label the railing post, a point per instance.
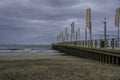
(116, 43)
(100, 43)
(106, 43)
(112, 43)
(96, 43)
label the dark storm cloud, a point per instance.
(39, 21)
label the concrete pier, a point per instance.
(106, 56)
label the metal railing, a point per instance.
(111, 43)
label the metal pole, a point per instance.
(90, 32)
(90, 36)
(105, 29)
(118, 31)
(86, 34)
(105, 39)
(71, 38)
(76, 37)
(67, 37)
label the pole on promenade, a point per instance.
(105, 39)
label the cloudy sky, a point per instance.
(39, 21)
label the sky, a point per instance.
(40, 21)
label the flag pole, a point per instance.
(86, 34)
(118, 31)
(90, 32)
(105, 38)
(76, 36)
(117, 22)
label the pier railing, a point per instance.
(99, 43)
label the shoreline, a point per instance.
(55, 67)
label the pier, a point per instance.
(104, 48)
(110, 56)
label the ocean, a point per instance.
(27, 50)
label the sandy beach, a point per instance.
(55, 67)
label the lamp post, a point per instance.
(105, 28)
(105, 39)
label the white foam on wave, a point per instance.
(20, 50)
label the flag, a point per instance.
(88, 18)
(76, 35)
(56, 38)
(72, 28)
(78, 32)
(66, 33)
(117, 16)
(62, 36)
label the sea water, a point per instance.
(27, 50)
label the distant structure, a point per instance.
(105, 41)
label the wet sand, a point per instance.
(55, 67)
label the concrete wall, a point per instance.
(98, 55)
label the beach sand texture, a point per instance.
(55, 67)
